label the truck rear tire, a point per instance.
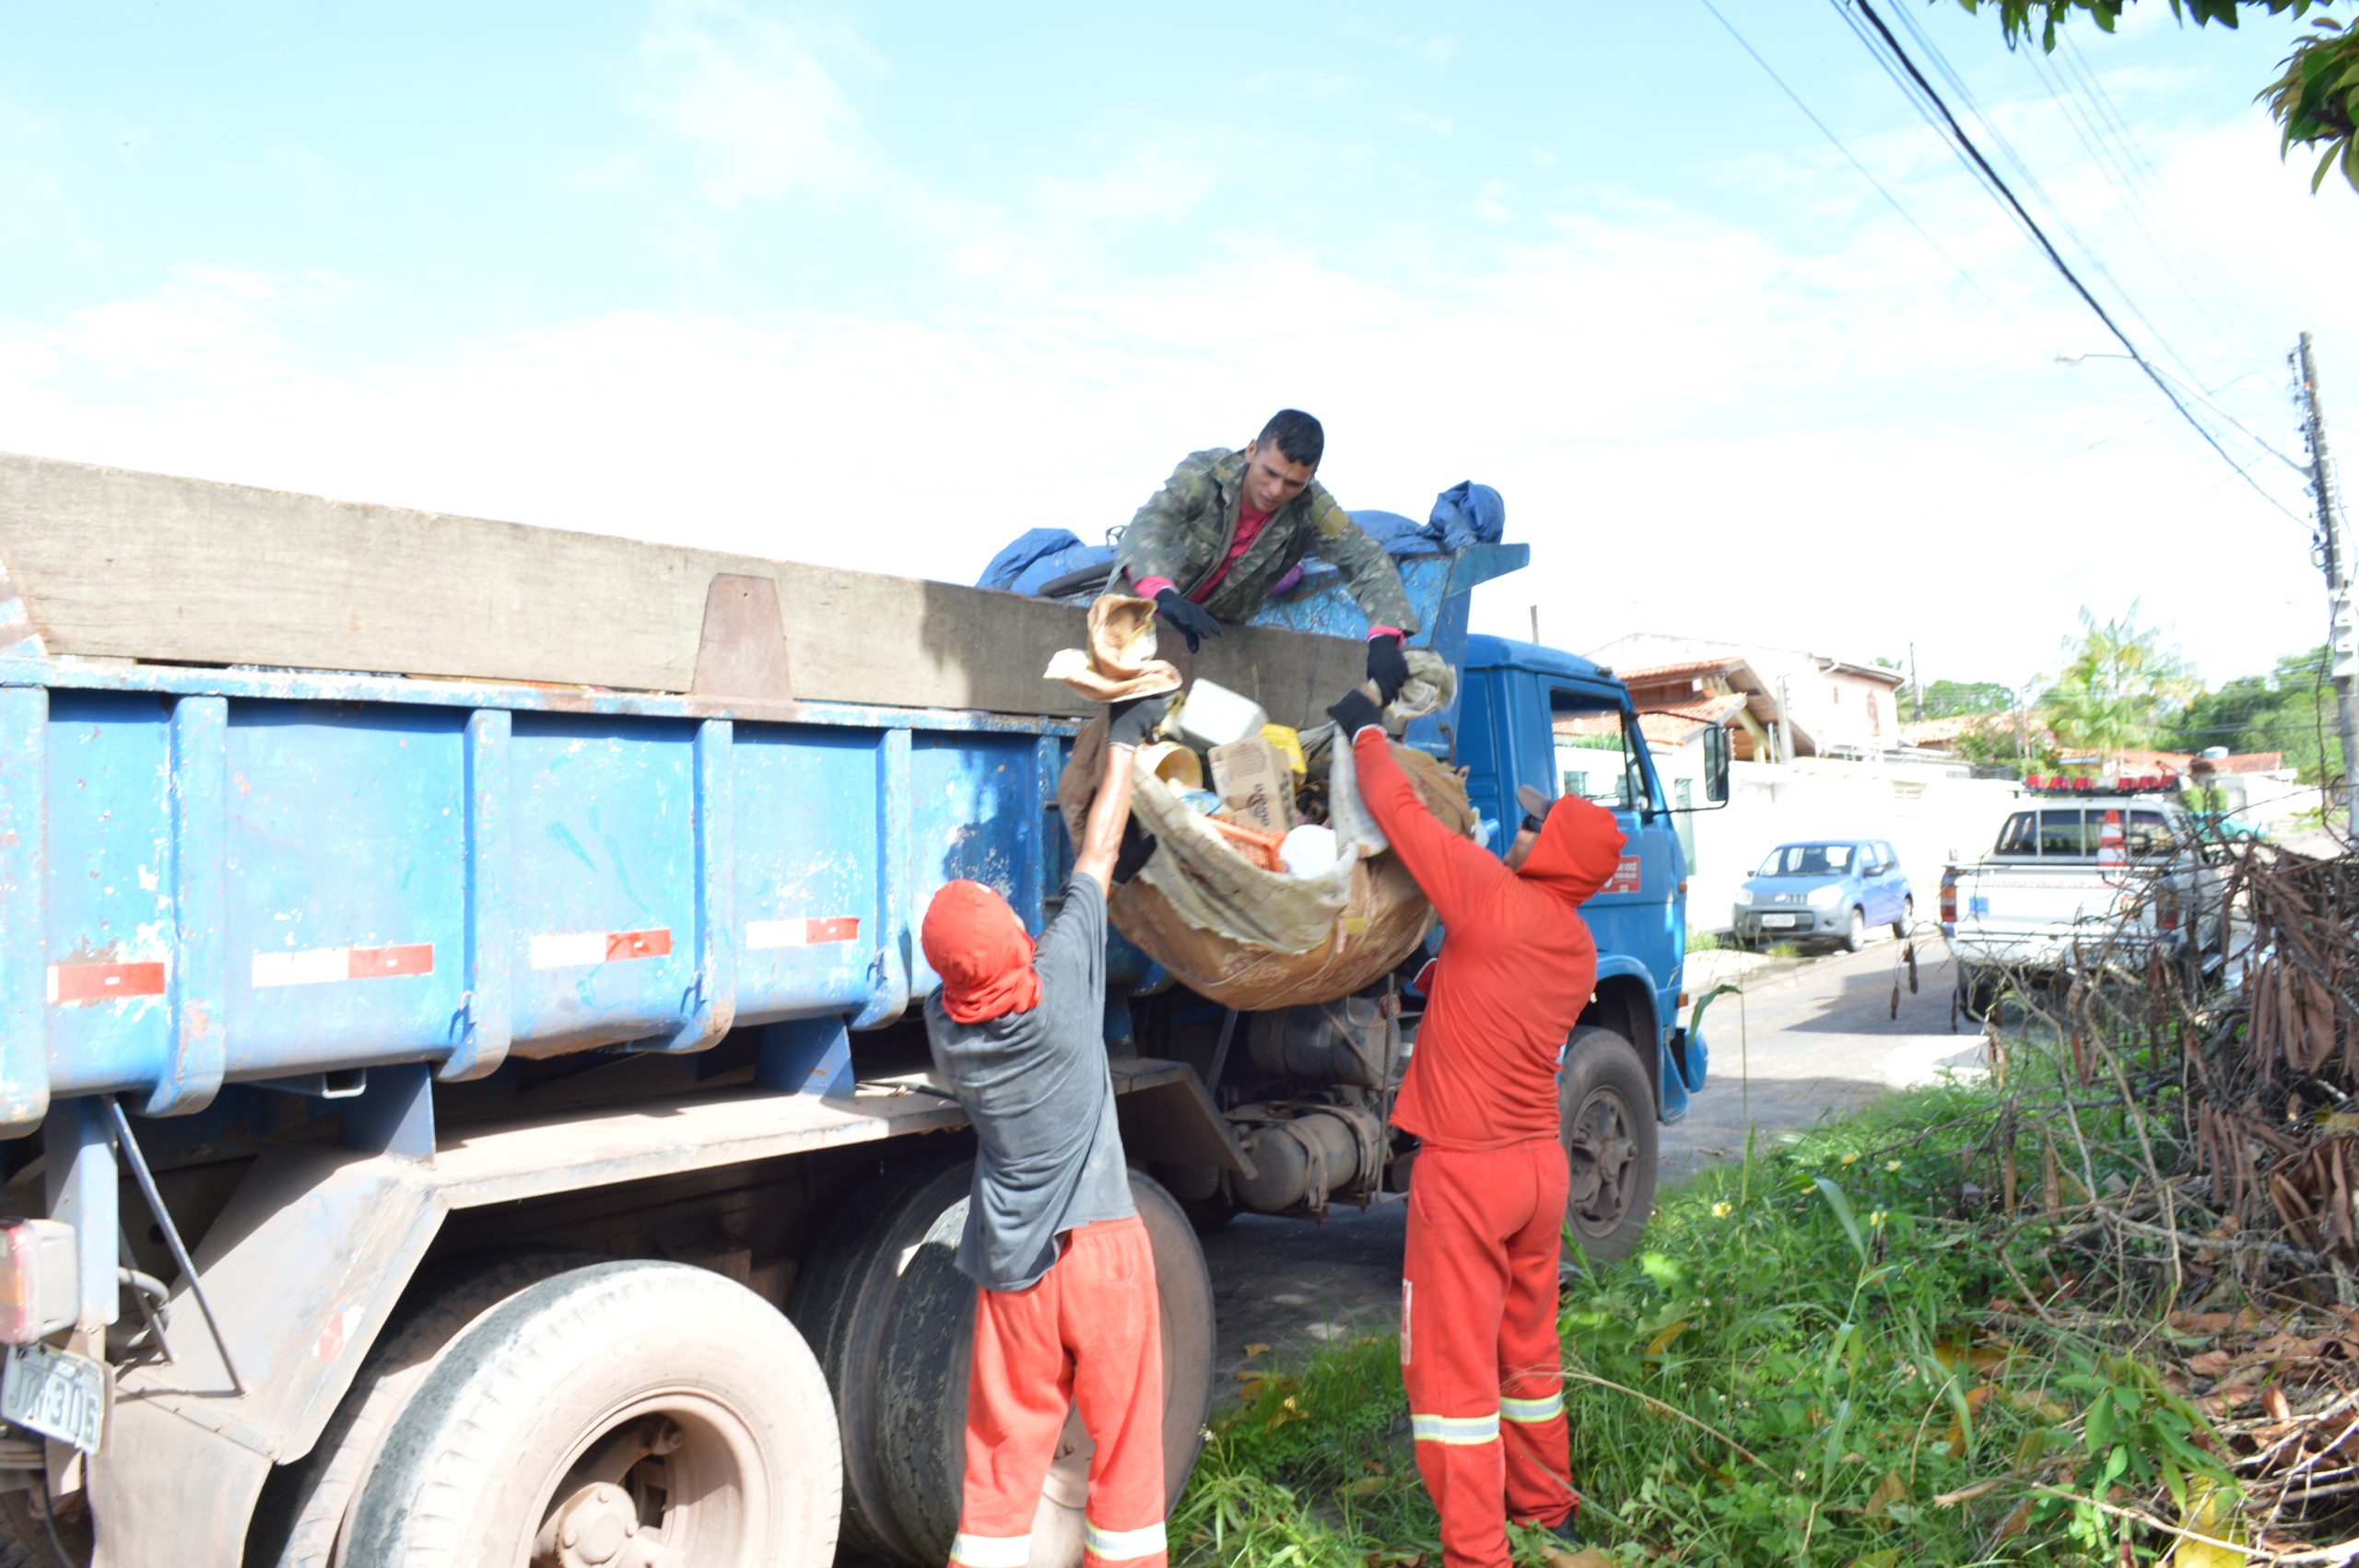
(1606, 1120)
(923, 1382)
(894, 1319)
(611, 1400)
(299, 1519)
(1978, 992)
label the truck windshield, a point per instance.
(1807, 860)
(1597, 754)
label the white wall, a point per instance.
(1929, 815)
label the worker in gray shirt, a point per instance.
(1065, 1304)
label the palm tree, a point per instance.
(2117, 685)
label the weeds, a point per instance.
(1821, 1356)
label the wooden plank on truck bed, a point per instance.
(116, 563)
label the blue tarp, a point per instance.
(1466, 514)
(1040, 556)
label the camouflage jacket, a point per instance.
(1184, 533)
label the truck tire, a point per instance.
(1855, 935)
(298, 1520)
(843, 1302)
(24, 1538)
(1978, 992)
(609, 1400)
(908, 1400)
(1606, 1114)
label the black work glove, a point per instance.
(1131, 719)
(1386, 665)
(1137, 846)
(1353, 713)
(1190, 619)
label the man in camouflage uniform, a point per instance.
(1228, 525)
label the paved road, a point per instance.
(1810, 1036)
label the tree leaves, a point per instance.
(2315, 101)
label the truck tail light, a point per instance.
(39, 1279)
(2165, 913)
(1949, 900)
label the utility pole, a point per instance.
(2342, 639)
(1915, 689)
(1535, 622)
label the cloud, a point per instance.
(1801, 428)
(1424, 120)
(750, 104)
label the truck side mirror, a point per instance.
(1716, 765)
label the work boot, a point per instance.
(1561, 1536)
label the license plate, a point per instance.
(1776, 919)
(55, 1393)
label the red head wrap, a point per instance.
(978, 945)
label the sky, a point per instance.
(882, 287)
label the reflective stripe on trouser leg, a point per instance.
(1454, 1429)
(1527, 1411)
(1120, 1546)
(992, 1552)
(1467, 1210)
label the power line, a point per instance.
(2080, 112)
(2205, 260)
(2048, 246)
(1893, 201)
(1929, 103)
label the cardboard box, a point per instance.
(1254, 783)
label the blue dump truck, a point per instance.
(464, 1098)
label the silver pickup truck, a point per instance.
(2083, 879)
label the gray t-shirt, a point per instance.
(1037, 1088)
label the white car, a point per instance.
(2082, 878)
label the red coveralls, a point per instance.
(1087, 1334)
(1486, 1195)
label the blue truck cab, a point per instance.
(505, 1084)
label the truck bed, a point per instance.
(214, 875)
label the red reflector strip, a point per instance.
(72, 983)
(410, 958)
(639, 944)
(760, 934)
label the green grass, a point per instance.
(1810, 1358)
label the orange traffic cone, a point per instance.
(2109, 852)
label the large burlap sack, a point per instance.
(1252, 939)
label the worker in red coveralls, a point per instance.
(1065, 1307)
(1486, 1194)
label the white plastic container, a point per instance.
(1215, 716)
(1308, 851)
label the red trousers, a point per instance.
(1479, 1349)
(1086, 1334)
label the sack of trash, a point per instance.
(1276, 887)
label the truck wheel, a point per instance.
(653, 1409)
(843, 1302)
(1855, 935)
(300, 1518)
(1606, 1111)
(920, 1388)
(1978, 992)
(1900, 926)
(24, 1538)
